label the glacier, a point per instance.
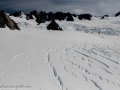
(85, 56)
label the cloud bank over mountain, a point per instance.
(95, 7)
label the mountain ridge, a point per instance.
(68, 21)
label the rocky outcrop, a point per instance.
(17, 14)
(42, 16)
(39, 18)
(28, 17)
(54, 26)
(59, 16)
(104, 16)
(2, 22)
(15, 25)
(85, 16)
(70, 18)
(6, 21)
(118, 14)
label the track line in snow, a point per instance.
(100, 77)
(92, 58)
(96, 85)
(107, 80)
(109, 59)
(106, 70)
(85, 77)
(48, 59)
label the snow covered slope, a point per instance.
(33, 59)
(107, 26)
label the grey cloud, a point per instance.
(96, 7)
(109, 6)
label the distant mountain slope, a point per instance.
(67, 21)
(98, 25)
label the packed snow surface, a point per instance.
(58, 60)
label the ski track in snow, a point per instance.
(66, 52)
(82, 61)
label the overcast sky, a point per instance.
(95, 7)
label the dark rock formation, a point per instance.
(15, 25)
(54, 26)
(50, 16)
(104, 16)
(28, 17)
(17, 14)
(56, 16)
(74, 15)
(39, 18)
(2, 22)
(59, 16)
(43, 15)
(6, 21)
(118, 14)
(85, 16)
(70, 18)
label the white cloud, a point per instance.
(78, 11)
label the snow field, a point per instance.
(55, 60)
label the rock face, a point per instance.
(17, 14)
(85, 16)
(54, 26)
(70, 18)
(2, 22)
(59, 16)
(104, 16)
(39, 18)
(42, 16)
(28, 17)
(6, 21)
(118, 14)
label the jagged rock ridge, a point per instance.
(5, 20)
(42, 16)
